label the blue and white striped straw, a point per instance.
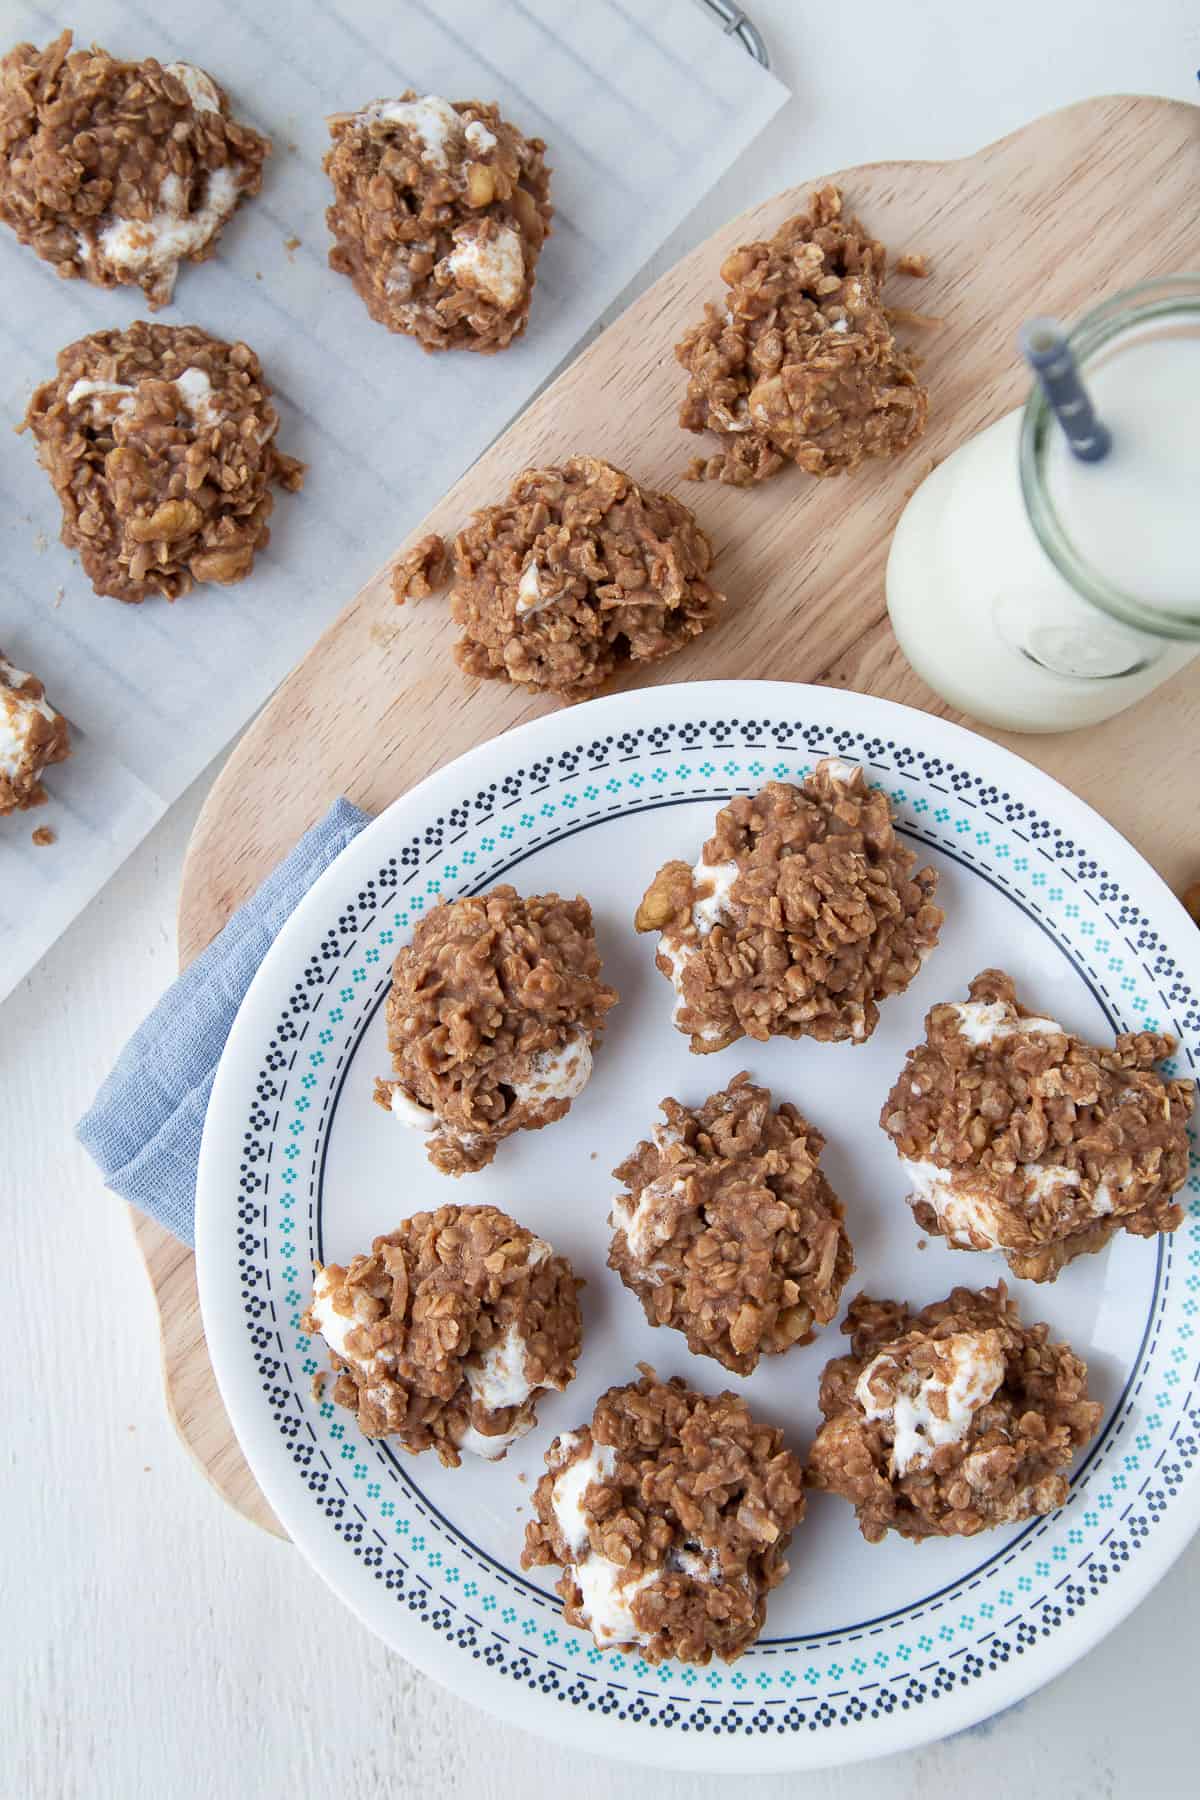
(1045, 348)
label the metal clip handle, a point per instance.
(736, 24)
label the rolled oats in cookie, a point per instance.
(1016, 1135)
(117, 172)
(578, 572)
(728, 1230)
(445, 1335)
(495, 1008)
(801, 914)
(439, 214)
(32, 737)
(670, 1516)
(160, 443)
(801, 363)
(948, 1421)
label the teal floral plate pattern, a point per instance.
(867, 1649)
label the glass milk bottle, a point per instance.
(1040, 593)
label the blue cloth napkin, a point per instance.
(144, 1127)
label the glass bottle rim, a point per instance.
(1164, 297)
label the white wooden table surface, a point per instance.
(152, 1642)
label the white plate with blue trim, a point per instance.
(867, 1649)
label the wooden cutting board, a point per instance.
(1072, 207)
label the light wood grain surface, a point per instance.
(1047, 220)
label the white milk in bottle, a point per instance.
(1040, 593)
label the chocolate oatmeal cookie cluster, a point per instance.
(579, 571)
(1018, 1136)
(117, 172)
(447, 1333)
(439, 214)
(801, 364)
(948, 1421)
(727, 1229)
(32, 737)
(160, 443)
(802, 913)
(494, 1009)
(670, 1516)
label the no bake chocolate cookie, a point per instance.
(801, 364)
(670, 1517)
(439, 214)
(1018, 1136)
(948, 1421)
(801, 915)
(577, 573)
(494, 1011)
(32, 737)
(160, 443)
(445, 1335)
(728, 1230)
(117, 172)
